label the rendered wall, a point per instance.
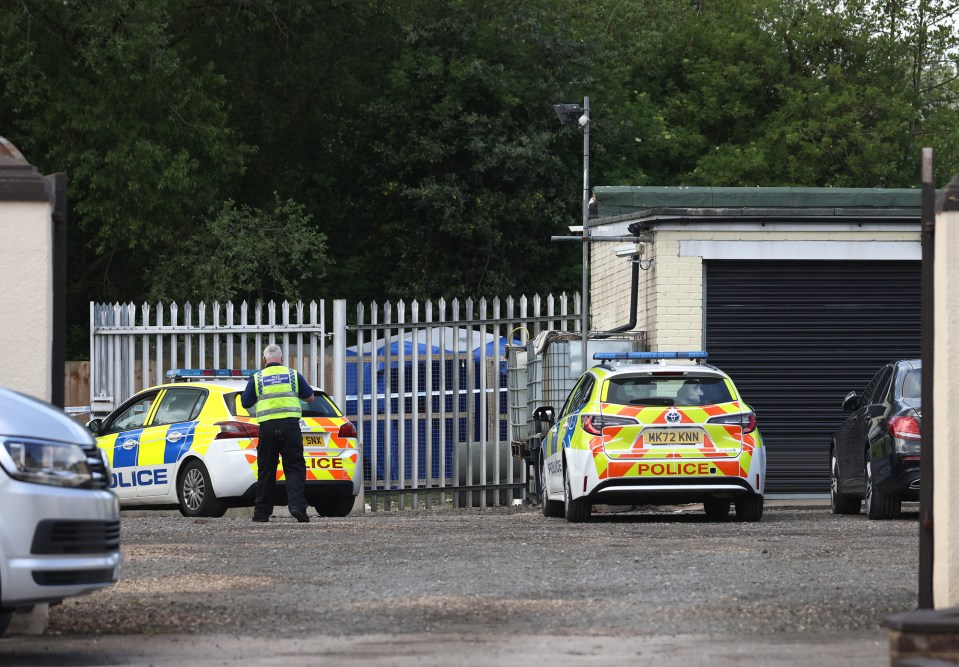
(26, 286)
(26, 297)
(945, 502)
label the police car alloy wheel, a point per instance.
(196, 492)
(577, 510)
(551, 508)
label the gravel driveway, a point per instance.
(505, 572)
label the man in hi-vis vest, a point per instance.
(276, 392)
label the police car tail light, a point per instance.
(594, 424)
(347, 430)
(904, 428)
(745, 419)
(237, 430)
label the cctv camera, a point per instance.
(583, 120)
(631, 250)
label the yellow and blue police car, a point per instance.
(648, 428)
(191, 444)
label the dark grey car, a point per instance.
(874, 455)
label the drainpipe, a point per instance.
(633, 297)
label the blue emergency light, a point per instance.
(649, 356)
(195, 373)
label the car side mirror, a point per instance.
(94, 425)
(543, 418)
(851, 402)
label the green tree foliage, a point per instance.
(800, 93)
(462, 164)
(241, 249)
(408, 148)
(99, 90)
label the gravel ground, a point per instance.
(494, 587)
(504, 571)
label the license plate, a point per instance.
(314, 441)
(673, 436)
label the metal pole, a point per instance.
(585, 295)
(928, 236)
(339, 354)
(59, 221)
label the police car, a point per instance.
(190, 443)
(652, 428)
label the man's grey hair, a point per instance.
(272, 352)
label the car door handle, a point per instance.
(130, 444)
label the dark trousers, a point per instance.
(280, 437)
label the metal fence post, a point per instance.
(339, 352)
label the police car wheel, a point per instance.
(551, 508)
(578, 510)
(195, 492)
(879, 505)
(750, 507)
(840, 503)
(335, 506)
(716, 509)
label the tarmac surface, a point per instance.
(496, 586)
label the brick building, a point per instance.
(799, 293)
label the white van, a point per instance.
(59, 523)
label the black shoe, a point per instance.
(300, 515)
(261, 519)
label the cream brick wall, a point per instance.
(610, 284)
(26, 297)
(670, 298)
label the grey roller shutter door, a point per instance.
(796, 336)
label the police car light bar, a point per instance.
(199, 373)
(649, 356)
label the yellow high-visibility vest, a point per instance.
(277, 394)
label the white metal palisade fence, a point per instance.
(128, 353)
(425, 383)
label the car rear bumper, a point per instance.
(902, 480)
(312, 490)
(673, 490)
(691, 479)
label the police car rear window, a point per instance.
(232, 400)
(667, 390)
(319, 406)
